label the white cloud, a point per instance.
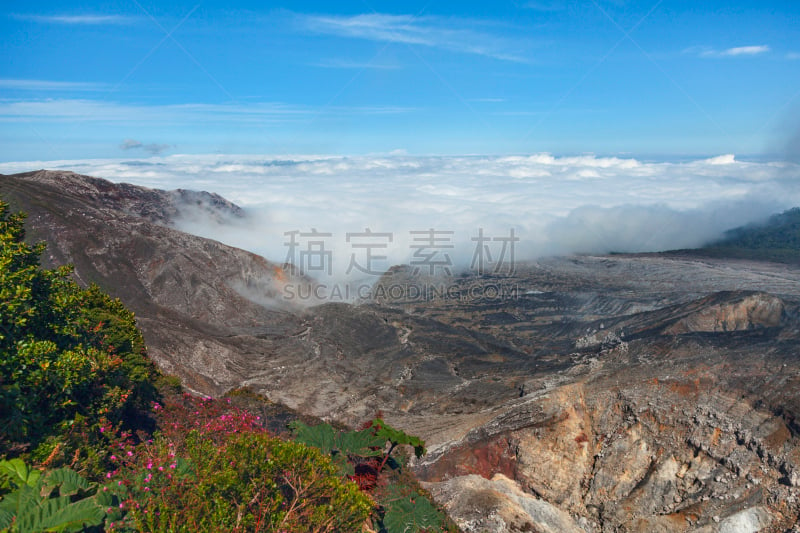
(445, 33)
(746, 50)
(793, 56)
(554, 204)
(50, 85)
(738, 51)
(647, 228)
(727, 159)
(77, 19)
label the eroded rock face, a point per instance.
(748, 312)
(499, 505)
(664, 457)
(622, 465)
(625, 393)
(556, 464)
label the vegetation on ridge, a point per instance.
(94, 438)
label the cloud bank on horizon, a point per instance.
(555, 205)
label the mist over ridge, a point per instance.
(554, 205)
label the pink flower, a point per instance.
(130, 453)
(102, 430)
(108, 475)
(113, 457)
(149, 466)
(172, 466)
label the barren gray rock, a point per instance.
(499, 505)
(622, 393)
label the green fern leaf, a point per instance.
(398, 437)
(6, 518)
(68, 482)
(411, 514)
(329, 441)
(322, 436)
(31, 509)
(72, 517)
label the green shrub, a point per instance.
(77, 388)
(70, 358)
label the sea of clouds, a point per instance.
(555, 205)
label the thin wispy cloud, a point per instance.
(746, 51)
(51, 85)
(737, 51)
(91, 20)
(358, 65)
(545, 6)
(793, 56)
(519, 113)
(96, 111)
(445, 33)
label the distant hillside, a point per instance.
(777, 239)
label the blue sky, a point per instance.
(133, 78)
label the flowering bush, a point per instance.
(214, 468)
(77, 390)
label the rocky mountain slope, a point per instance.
(622, 393)
(189, 293)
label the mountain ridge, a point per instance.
(775, 239)
(609, 393)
